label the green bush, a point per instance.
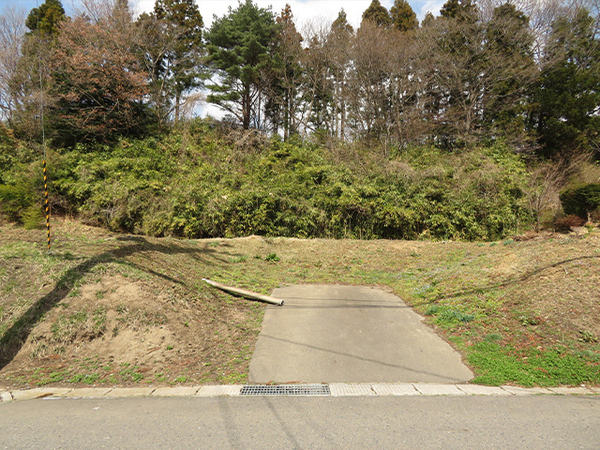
(7, 152)
(32, 217)
(16, 200)
(201, 182)
(582, 200)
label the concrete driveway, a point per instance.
(353, 334)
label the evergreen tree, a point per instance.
(377, 14)
(239, 46)
(568, 96)
(428, 19)
(339, 43)
(456, 74)
(464, 10)
(509, 56)
(403, 16)
(178, 51)
(45, 20)
(340, 25)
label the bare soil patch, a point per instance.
(110, 309)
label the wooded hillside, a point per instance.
(467, 125)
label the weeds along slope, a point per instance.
(116, 309)
(204, 182)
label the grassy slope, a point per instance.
(524, 312)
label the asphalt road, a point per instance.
(536, 422)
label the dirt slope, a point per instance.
(104, 308)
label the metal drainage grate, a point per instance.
(286, 389)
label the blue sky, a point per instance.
(304, 10)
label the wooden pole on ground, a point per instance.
(244, 293)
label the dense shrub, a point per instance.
(21, 198)
(581, 200)
(202, 182)
(567, 223)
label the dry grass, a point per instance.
(108, 308)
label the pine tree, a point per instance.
(377, 14)
(181, 24)
(428, 19)
(239, 46)
(341, 26)
(45, 20)
(568, 96)
(339, 43)
(509, 55)
(464, 10)
(403, 16)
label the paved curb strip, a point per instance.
(219, 391)
(336, 389)
(474, 389)
(88, 393)
(345, 390)
(526, 391)
(438, 389)
(569, 391)
(32, 394)
(176, 392)
(130, 392)
(395, 389)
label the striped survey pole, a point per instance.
(47, 203)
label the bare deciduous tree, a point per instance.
(12, 32)
(98, 84)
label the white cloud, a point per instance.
(432, 6)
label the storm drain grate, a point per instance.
(286, 389)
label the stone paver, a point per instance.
(438, 389)
(88, 393)
(344, 390)
(526, 391)
(219, 391)
(31, 394)
(180, 391)
(395, 389)
(473, 389)
(130, 392)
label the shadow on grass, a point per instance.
(509, 282)
(14, 338)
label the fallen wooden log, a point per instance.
(244, 293)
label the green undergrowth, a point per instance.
(200, 182)
(497, 365)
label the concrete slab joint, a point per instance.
(335, 389)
